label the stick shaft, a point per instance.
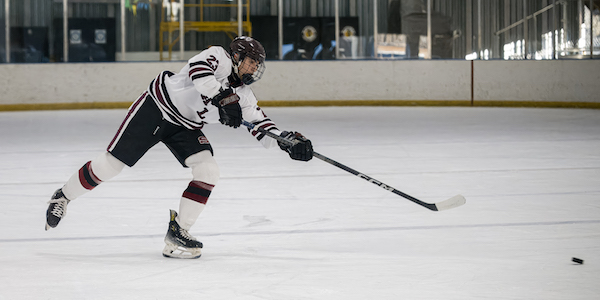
(451, 202)
(373, 181)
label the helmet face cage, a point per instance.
(250, 78)
(242, 47)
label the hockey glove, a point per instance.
(230, 112)
(300, 147)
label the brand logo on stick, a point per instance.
(371, 180)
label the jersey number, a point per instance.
(213, 62)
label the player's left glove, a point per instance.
(300, 148)
(230, 112)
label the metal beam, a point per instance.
(240, 19)
(337, 27)
(517, 23)
(591, 29)
(181, 29)
(469, 27)
(525, 31)
(429, 33)
(280, 28)
(375, 29)
(7, 29)
(479, 28)
(554, 31)
(123, 26)
(65, 31)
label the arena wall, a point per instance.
(558, 83)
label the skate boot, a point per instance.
(179, 242)
(57, 209)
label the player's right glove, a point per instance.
(230, 112)
(300, 147)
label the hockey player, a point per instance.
(212, 87)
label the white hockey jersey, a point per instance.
(185, 98)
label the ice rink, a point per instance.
(281, 229)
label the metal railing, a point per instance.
(168, 25)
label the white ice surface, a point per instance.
(280, 229)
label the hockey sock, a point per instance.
(94, 172)
(192, 203)
(205, 172)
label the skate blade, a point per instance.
(173, 251)
(48, 226)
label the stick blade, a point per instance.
(453, 202)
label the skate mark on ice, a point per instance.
(320, 220)
(257, 220)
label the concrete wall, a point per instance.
(436, 82)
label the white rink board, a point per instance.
(365, 80)
(76, 82)
(557, 81)
(409, 80)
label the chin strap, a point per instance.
(234, 80)
(236, 66)
(247, 79)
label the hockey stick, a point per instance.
(453, 202)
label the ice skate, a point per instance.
(179, 242)
(57, 209)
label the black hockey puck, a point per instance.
(577, 260)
